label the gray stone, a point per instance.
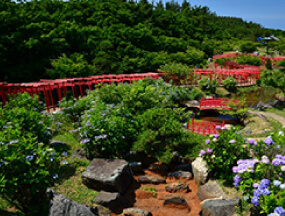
(200, 171)
(113, 201)
(211, 190)
(150, 180)
(61, 206)
(176, 203)
(101, 210)
(219, 207)
(136, 167)
(248, 131)
(184, 167)
(181, 174)
(80, 153)
(177, 187)
(108, 175)
(136, 212)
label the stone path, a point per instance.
(272, 115)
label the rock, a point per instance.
(138, 156)
(136, 212)
(108, 175)
(101, 210)
(80, 153)
(170, 196)
(61, 206)
(136, 167)
(211, 190)
(200, 171)
(177, 187)
(248, 131)
(156, 167)
(176, 203)
(113, 201)
(184, 167)
(219, 207)
(181, 174)
(151, 180)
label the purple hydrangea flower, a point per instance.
(279, 210)
(207, 141)
(232, 141)
(255, 200)
(235, 169)
(266, 191)
(268, 141)
(85, 141)
(237, 180)
(209, 151)
(265, 160)
(256, 193)
(252, 142)
(216, 136)
(202, 152)
(276, 162)
(255, 185)
(218, 127)
(264, 183)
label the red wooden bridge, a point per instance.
(216, 103)
(204, 127)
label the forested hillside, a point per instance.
(57, 39)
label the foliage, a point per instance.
(238, 108)
(161, 133)
(53, 39)
(249, 60)
(248, 47)
(268, 64)
(223, 151)
(230, 84)
(273, 78)
(261, 179)
(220, 61)
(27, 167)
(207, 85)
(281, 63)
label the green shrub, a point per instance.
(208, 86)
(268, 64)
(220, 61)
(222, 151)
(248, 47)
(248, 60)
(230, 84)
(281, 63)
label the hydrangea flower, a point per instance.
(232, 141)
(264, 159)
(279, 210)
(207, 141)
(266, 191)
(277, 182)
(209, 151)
(55, 176)
(64, 162)
(252, 142)
(29, 158)
(276, 162)
(268, 141)
(216, 136)
(202, 152)
(256, 193)
(85, 141)
(255, 201)
(274, 214)
(218, 127)
(64, 154)
(282, 186)
(255, 185)
(264, 183)
(237, 180)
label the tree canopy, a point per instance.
(55, 38)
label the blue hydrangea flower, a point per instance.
(279, 210)
(256, 193)
(29, 158)
(277, 182)
(237, 180)
(255, 201)
(266, 192)
(268, 141)
(64, 154)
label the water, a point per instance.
(215, 116)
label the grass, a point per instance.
(150, 189)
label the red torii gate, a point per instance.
(61, 85)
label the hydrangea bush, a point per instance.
(262, 178)
(222, 151)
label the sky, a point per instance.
(268, 13)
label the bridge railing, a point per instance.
(204, 127)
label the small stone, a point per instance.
(151, 180)
(113, 201)
(181, 174)
(80, 153)
(176, 203)
(136, 212)
(157, 167)
(177, 187)
(101, 210)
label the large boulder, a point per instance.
(113, 201)
(200, 171)
(176, 203)
(211, 190)
(61, 206)
(136, 212)
(219, 207)
(108, 175)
